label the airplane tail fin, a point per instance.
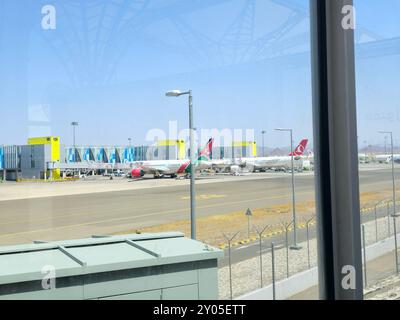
(205, 154)
(299, 151)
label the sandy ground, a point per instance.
(212, 229)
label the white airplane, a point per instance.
(386, 158)
(262, 163)
(173, 168)
(364, 158)
(222, 165)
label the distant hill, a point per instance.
(379, 149)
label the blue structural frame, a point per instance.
(128, 155)
(71, 155)
(113, 156)
(88, 155)
(1, 158)
(101, 155)
(106, 155)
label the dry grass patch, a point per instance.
(210, 229)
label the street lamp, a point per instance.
(295, 246)
(393, 181)
(130, 142)
(74, 124)
(178, 93)
(263, 146)
(385, 144)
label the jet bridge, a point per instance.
(89, 165)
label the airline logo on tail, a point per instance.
(204, 155)
(299, 151)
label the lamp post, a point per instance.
(130, 142)
(295, 246)
(178, 93)
(393, 181)
(385, 144)
(263, 145)
(74, 124)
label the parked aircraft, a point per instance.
(275, 162)
(173, 168)
(386, 158)
(263, 163)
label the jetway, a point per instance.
(11, 162)
(89, 165)
(165, 150)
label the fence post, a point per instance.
(308, 241)
(388, 216)
(229, 240)
(273, 271)
(308, 247)
(287, 254)
(286, 226)
(260, 233)
(365, 257)
(376, 223)
(395, 244)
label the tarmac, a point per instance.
(68, 210)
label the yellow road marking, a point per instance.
(206, 197)
(277, 232)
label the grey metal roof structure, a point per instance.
(100, 255)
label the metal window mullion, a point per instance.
(335, 139)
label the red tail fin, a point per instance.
(300, 148)
(206, 152)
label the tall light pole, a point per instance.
(393, 181)
(295, 245)
(74, 124)
(178, 93)
(263, 145)
(385, 144)
(130, 142)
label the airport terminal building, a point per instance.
(46, 158)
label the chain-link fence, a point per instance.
(268, 255)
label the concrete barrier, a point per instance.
(286, 288)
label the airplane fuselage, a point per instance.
(269, 162)
(170, 167)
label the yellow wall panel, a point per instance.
(54, 142)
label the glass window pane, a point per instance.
(377, 59)
(96, 143)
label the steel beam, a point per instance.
(336, 155)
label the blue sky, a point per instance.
(108, 64)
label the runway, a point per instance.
(82, 215)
